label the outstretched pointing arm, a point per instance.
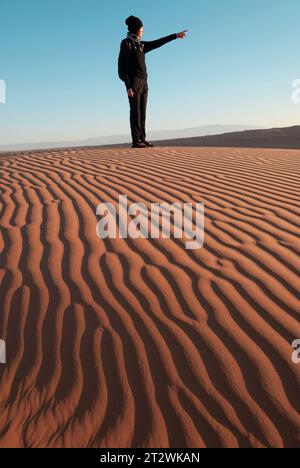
(151, 45)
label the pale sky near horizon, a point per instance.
(59, 62)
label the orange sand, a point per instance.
(141, 343)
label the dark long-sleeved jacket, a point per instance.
(132, 62)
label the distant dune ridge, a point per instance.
(121, 139)
(206, 136)
(142, 343)
(274, 138)
(286, 138)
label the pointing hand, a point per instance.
(182, 34)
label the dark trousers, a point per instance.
(138, 105)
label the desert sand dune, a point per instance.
(141, 343)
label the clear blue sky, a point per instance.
(59, 61)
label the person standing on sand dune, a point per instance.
(133, 71)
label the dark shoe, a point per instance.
(148, 144)
(139, 145)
